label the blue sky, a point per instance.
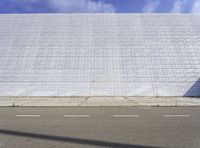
(109, 6)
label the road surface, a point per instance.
(80, 127)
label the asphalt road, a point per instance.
(120, 127)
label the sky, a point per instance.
(99, 6)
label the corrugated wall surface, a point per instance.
(99, 55)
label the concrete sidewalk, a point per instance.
(99, 101)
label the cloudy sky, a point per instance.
(109, 6)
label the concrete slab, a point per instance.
(108, 101)
(165, 101)
(41, 101)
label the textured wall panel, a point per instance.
(99, 55)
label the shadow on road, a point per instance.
(71, 139)
(194, 91)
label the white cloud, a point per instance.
(196, 7)
(179, 6)
(65, 5)
(151, 6)
(81, 6)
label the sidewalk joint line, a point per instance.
(84, 101)
(131, 101)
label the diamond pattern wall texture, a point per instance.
(99, 55)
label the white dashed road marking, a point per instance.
(176, 115)
(27, 115)
(129, 116)
(77, 116)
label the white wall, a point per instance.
(99, 54)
